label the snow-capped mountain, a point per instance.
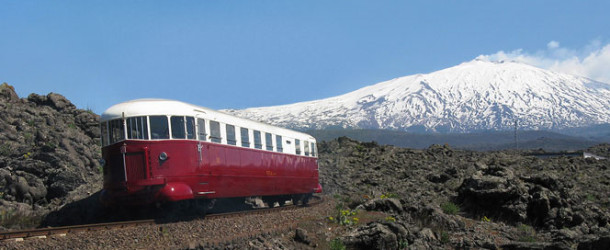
(475, 95)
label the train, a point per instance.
(159, 151)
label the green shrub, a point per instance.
(388, 195)
(27, 136)
(444, 237)
(5, 150)
(485, 219)
(337, 244)
(390, 219)
(528, 234)
(345, 217)
(403, 244)
(450, 208)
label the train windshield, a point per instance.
(159, 128)
(178, 129)
(190, 127)
(183, 127)
(137, 127)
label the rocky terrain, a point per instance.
(446, 198)
(377, 197)
(49, 156)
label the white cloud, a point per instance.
(592, 61)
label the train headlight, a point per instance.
(163, 156)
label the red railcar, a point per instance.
(163, 150)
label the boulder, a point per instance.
(390, 205)
(497, 192)
(59, 102)
(300, 235)
(8, 94)
(377, 235)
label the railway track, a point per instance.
(38, 233)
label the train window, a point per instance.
(278, 143)
(177, 127)
(257, 139)
(159, 128)
(190, 127)
(269, 141)
(137, 127)
(117, 131)
(314, 150)
(245, 138)
(306, 144)
(297, 145)
(215, 132)
(104, 130)
(201, 129)
(231, 135)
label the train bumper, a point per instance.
(175, 191)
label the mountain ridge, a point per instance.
(474, 95)
(477, 141)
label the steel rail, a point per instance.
(71, 229)
(43, 232)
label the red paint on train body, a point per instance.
(134, 174)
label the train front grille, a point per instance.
(135, 165)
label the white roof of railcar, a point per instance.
(148, 107)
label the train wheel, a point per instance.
(306, 198)
(283, 199)
(295, 199)
(270, 201)
(301, 199)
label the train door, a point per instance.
(204, 187)
(201, 146)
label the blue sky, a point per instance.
(239, 54)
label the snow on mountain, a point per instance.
(475, 95)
